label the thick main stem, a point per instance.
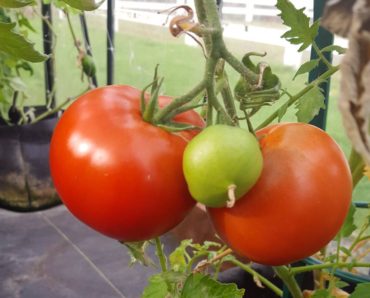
(160, 254)
(289, 281)
(208, 17)
(210, 87)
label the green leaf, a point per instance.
(25, 66)
(177, 257)
(84, 4)
(300, 33)
(322, 293)
(307, 67)
(159, 285)
(199, 285)
(15, 3)
(253, 97)
(137, 252)
(309, 105)
(14, 44)
(349, 224)
(17, 84)
(335, 48)
(4, 17)
(362, 290)
(24, 22)
(341, 284)
(282, 111)
(345, 250)
(156, 288)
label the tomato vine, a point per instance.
(190, 267)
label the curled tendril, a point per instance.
(184, 24)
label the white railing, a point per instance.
(246, 10)
(237, 16)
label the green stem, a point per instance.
(263, 279)
(228, 99)
(321, 56)
(235, 63)
(51, 112)
(359, 237)
(297, 96)
(200, 10)
(289, 281)
(160, 254)
(178, 102)
(306, 268)
(209, 116)
(249, 123)
(211, 94)
(194, 259)
(75, 40)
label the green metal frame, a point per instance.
(323, 39)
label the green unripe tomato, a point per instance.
(221, 161)
(88, 65)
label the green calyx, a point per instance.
(150, 109)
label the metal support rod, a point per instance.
(110, 42)
(85, 34)
(323, 39)
(220, 5)
(48, 50)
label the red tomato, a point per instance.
(116, 173)
(298, 204)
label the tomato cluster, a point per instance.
(124, 177)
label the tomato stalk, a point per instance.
(260, 277)
(308, 268)
(289, 280)
(172, 109)
(160, 254)
(52, 111)
(297, 96)
(201, 266)
(215, 49)
(227, 97)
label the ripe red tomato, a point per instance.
(298, 204)
(116, 173)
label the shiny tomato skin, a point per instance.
(299, 203)
(116, 173)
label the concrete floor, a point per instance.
(50, 254)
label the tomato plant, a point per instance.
(221, 164)
(298, 204)
(117, 173)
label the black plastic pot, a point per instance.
(244, 280)
(25, 182)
